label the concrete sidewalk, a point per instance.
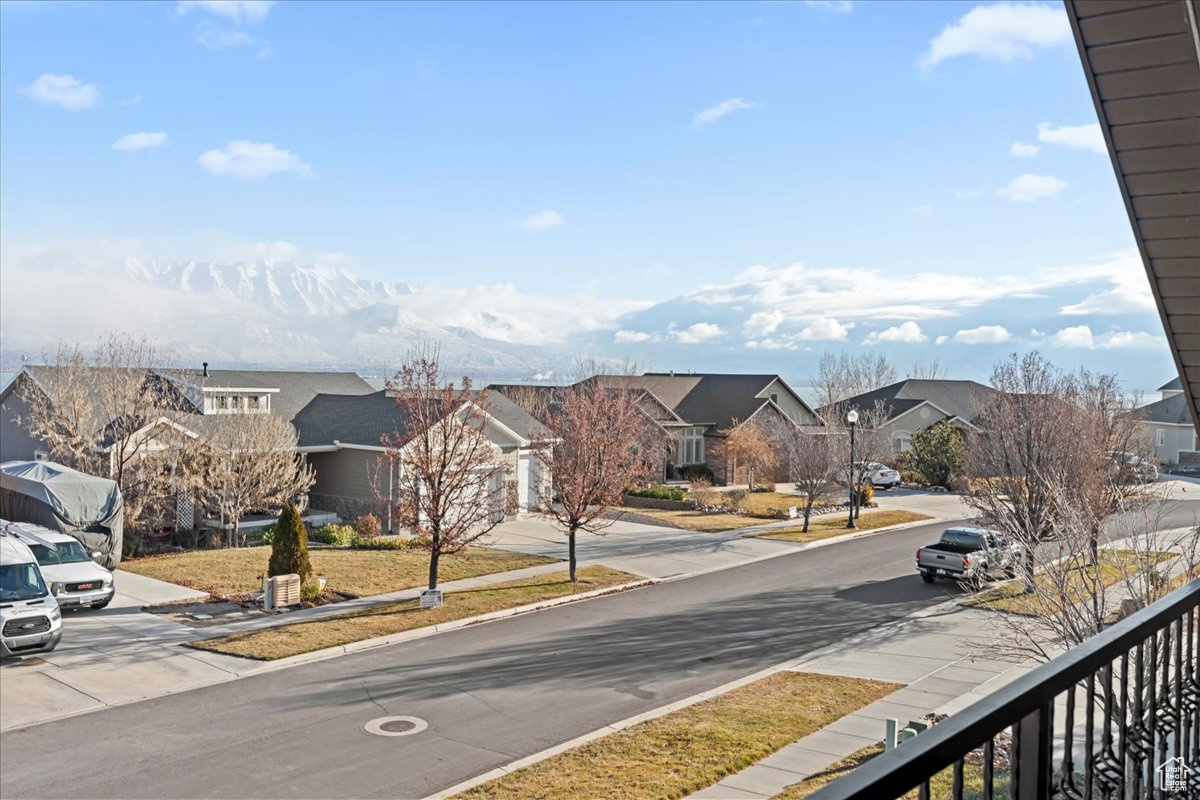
(935, 652)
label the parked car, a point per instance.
(30, 619)
(1140, 469)
(77, 579)
(966, 554)
(881, 476)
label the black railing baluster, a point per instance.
(923, 790)
(1089, 743)
(1178, 699)
(956, 784)
(1066, 775)
(1123, 725)
(989, 760)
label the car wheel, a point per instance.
(927, 577)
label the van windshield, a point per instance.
(21, 582)
(61, 553)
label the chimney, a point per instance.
(205, 365)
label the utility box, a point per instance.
(283, 591)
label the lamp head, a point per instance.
(852, 416)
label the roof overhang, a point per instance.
(1142, 63)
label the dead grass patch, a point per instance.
(1077, 584)
(304, 637)
(835, 525)
(686, 750)
(361, 573)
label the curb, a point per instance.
(791, 665)
(600, 733)
(428, 630)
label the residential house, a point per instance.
(342, 438)
(1169, 427)
(694, 410)
(914, 404)
(339, 418)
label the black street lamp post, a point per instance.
(852, 420)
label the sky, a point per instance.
(695, 184)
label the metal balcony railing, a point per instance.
(1115, 717)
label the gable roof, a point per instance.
(365, 419)
(296, 389)
(1171, 410)
(962, 399)
(1172, 386)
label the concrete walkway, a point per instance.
(935, 652)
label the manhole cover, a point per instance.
(396, 726)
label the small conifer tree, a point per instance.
(289, 551)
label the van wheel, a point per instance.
(927, 577)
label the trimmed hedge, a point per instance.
(379, 543)
(659, 492)
(336, 535)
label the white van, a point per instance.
(74, 577)
(30, 619)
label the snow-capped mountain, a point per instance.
(260, 313)
(281, 286)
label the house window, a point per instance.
(253, 402)
(1160, 437)
(901, 441)
(222, 402)
(693, 446)
(774, 398)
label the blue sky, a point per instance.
(623, 153)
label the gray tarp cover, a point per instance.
(62, 499)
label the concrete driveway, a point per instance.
(107, 657)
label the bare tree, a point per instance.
(931, 370)
(105, 414)
(751, 445)
(811, 465)
(841, 376)
(601, 442)
(450, 476)
(1047, 446)
(253, 465)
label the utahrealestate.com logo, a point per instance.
(1173, 775)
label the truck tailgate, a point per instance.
(935, 559)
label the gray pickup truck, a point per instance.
(966, 554)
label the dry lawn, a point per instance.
(686, 750)
(941, 785)
(303, 637)
(358, 572)
(835, 525)
(1077, 584)
(696, 520)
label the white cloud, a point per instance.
(1079, 137)
(1023, 150)
(627, 337)
(1078, 336)
(216, 39)
(984, 334)
(258, 251)
(698, 333)
(140, 141)
(64, 91)
(1081, 337)
(1000, 32)
(541, 221)
(1036, 332)
(1027, 187)
(714, 113)
(762, 323)
(1130, 295)
(824, 330)
(836, 6)
(243, 159)
(941, 340)
(905, 333)
(237, 11)
(922, 210)
(1132, 339)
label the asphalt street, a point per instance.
(490, 693)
